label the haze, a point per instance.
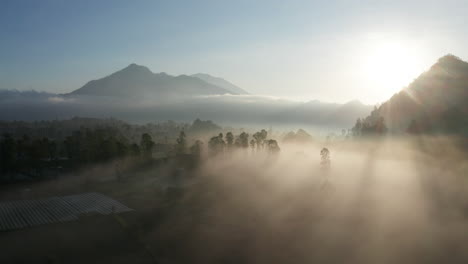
(333, 51)
(233, 132)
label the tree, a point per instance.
(380, 127)
(357, 128)
(325, 158)
(216, 144)
(229, 139)
(196, 148)
(243, 140)
(146, 145)
(181, 143)
(260, 137)
(134, 150)
(252, 144)
(272, 146)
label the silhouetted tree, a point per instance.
(325, 158)
(196, 148)
(229, 139)
(260, 137)
(181, 142)
(357, 128)
(146, 145)
(134, 150)
(243, 140)
(216, 144)
(380, 127)
(372, 125)
(272, 146)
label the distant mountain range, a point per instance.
(435, 102)
(139, 81)
(136, 94)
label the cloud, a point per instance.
(226, 109)
(59, 99)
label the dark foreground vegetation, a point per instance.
(386, 201)
(40, 150)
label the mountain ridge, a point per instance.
(220, 82)
(137, 80)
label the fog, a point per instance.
(387, 202)
(226, 109)
(394, 200)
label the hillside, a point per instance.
(435, 102)
(220, 82)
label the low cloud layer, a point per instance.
(224, 109)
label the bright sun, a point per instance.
(390, 66)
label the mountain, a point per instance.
(139, 81)
(136, 94)
(220, 82)
(435, 102)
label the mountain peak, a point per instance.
(138, 81)
(354, 102)
(449, 58)
(133, 67)
(451, 63)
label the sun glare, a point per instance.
(390, 66)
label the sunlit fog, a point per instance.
(233, 132)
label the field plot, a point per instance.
(28, 213)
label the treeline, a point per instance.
(42, 148)
(373, 125)
(452, 122)
(38, 157)
(219, 144)
(163, 132)
(223, 143)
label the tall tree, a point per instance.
(243, 140)
(196, 148)
(146, 145)
(216, 144)
(272, 146)
(181, 143)
(229, 139)
(260, 137)
(252, 144)
(357, 128)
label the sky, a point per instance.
(335, 50)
